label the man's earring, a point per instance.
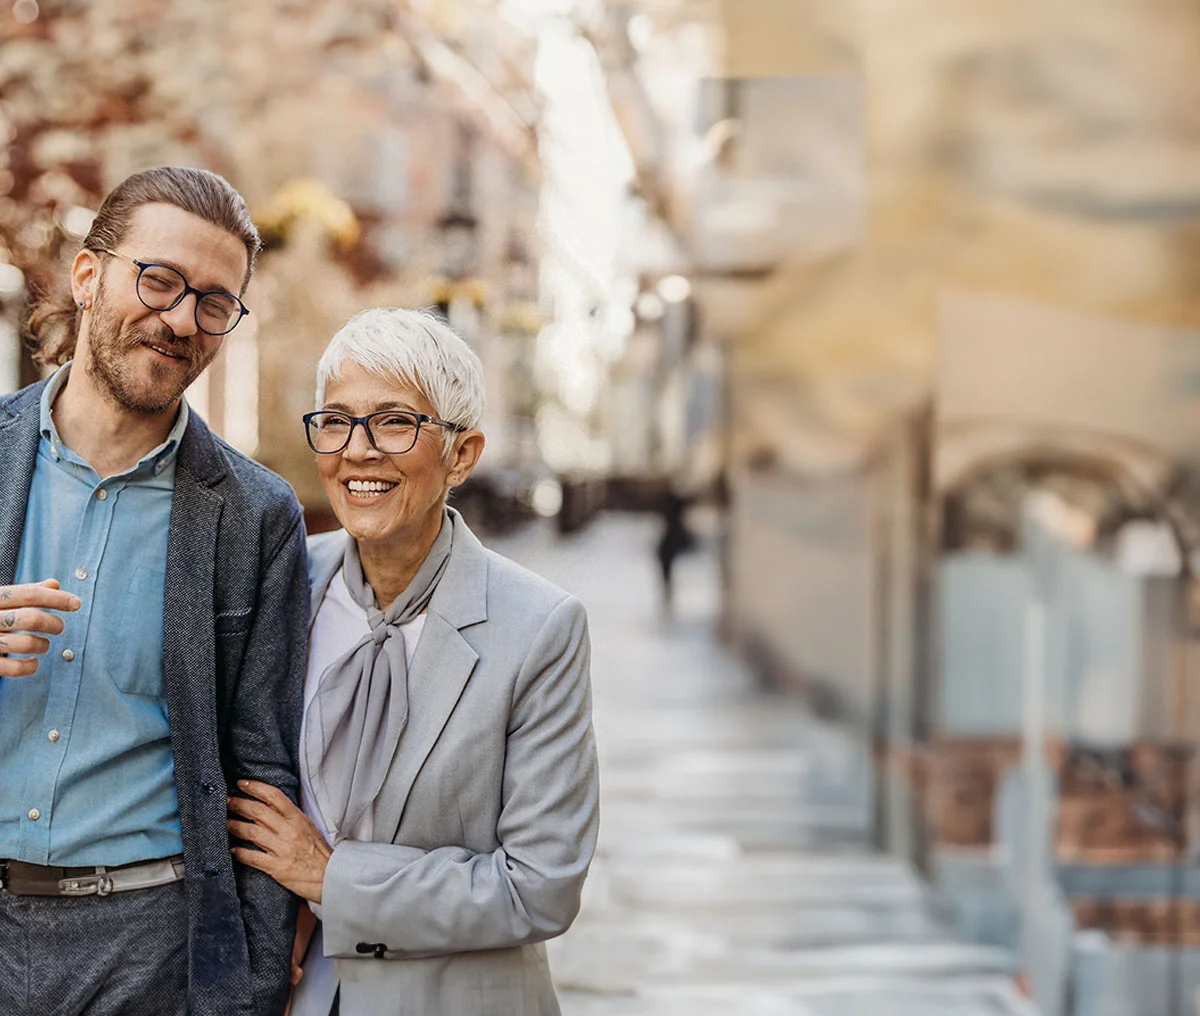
(82, 305)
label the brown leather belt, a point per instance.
(21, 878)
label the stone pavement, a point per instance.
(733, 874)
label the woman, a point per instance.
(447, 760)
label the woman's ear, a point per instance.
(467, 450)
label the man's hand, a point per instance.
(25, 609)
(290, 849)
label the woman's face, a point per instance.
(381, 499)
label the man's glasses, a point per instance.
(390, 431)
(160, 287)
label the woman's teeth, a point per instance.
(369, 488)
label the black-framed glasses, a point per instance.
(161, 287)
(390, 431)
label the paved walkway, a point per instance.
(733, 874)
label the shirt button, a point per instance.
(54, 735)
(81, 573)
(68, 655)
(102, 494)
(34, 814)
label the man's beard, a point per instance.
(146, 393)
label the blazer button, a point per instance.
(376, 949)
(208, 788)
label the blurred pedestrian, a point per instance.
(152, 633)
(676, 539)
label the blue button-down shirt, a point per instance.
(86, 771)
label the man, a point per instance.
(153, 609)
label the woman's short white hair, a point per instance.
(417, 349)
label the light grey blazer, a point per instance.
(487, 822)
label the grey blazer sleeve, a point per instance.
(429, 902)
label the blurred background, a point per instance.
(843, 356)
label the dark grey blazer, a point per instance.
(234, 644)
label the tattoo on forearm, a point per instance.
(8, 620)
(5, 595)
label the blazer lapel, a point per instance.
(19, 437)
(325, 553)
(440, 668)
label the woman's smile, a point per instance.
(369, 490)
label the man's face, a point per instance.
(144, 359)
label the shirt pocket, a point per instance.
(135, 663)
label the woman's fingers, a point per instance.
(254, 811)
(251, 832)
(255, 859)
(271, 796)
(292, 851)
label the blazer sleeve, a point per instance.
(429, 902)
(262, 744)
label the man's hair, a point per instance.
(416, 349)
(51, 324)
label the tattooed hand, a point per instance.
(25, 610)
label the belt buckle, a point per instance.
(86, 885)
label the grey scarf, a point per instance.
(360, 710)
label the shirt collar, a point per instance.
(154, 460)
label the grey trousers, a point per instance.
(119, 955)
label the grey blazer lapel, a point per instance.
(19, 437)
(325, 553)
(441, 666)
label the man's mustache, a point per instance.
(162, 337)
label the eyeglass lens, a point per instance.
(161, 288)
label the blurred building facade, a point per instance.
(945, 253)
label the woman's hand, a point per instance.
(290, 849)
